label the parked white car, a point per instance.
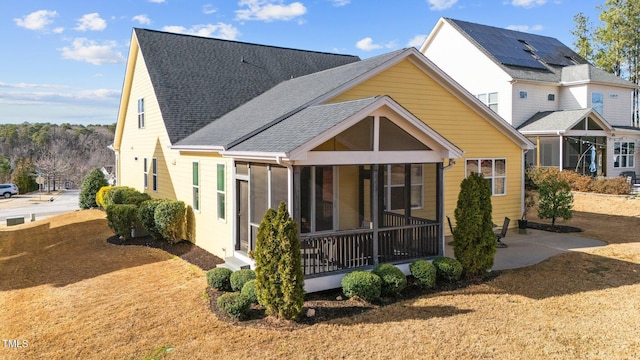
(8, 190)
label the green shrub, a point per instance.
(146, 216)
(554, 199)
(121, 219)
(424, 272)
(240, 277)
(249, 290)
(362, 284)
(170, 218)
(234, 304)
(393, 279)
(447, 269)
(279, 276)
(91, 184)
(474, 243)
(219, 278)
(101, 196)
(126, 195)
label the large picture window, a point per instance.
(494, 170)
(623, 153)
(394, 186)
(221, 191)
(597, 102)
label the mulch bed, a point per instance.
(556, 228)
(324, 306)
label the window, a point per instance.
(394, 187)
(490, 99)
(597, 102)
(494, 170)
(623, 154)
(551, 97)
(145, 173)
(221, 192)
(196, 185)
(141, 113)
(154, 172)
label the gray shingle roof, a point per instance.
(546, 121)
(280, 102)
(197, 80)
(532, 57)
(302, 127)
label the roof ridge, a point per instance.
(243, 42)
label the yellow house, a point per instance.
(368, 154)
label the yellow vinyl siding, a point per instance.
(174, 168)
(449, 116)
(348, 197)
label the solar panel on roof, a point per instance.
(521, 49)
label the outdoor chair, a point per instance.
(503, 233)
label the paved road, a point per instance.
(38, 204)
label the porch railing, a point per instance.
(351, 249)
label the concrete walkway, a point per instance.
(534, 247)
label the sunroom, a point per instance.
(363, 180)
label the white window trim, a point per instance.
(627, 156)
(141, 113)
(154, 174)
(145, 171)
(388, 186)
(222, 192)
(196, 187)
(493, 172)
(487, 102)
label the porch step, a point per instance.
(234, 264)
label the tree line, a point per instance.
(61, 154)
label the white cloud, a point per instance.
(441, 4)
(269, 10)
(58, 30)
(417, 41)
(528, 3)
(340, 2)
(37, 20)
(91, 22)
(367, 44)
(141, 19)
(208, 9)
(83, 49)
(157, 1)
(219, 30)
(525, 28)
(31, 86)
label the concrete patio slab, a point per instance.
(534, 247)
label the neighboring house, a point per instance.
(368, 154)
(579, 116)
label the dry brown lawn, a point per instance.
(72, 295)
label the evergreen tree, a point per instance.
(474, 243)
(583, 34)
(24, 176)
(279, 275)
(90, 187)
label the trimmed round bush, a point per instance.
(101, 196)
(240, 277)
(393, 279)
(424, 272)
(234, 304)
(121, 218)
(146, 215)
(219, 278)
(447, 269)
(362, 284)
(170, 218)
(249, 290)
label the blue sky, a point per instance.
(64, 61)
